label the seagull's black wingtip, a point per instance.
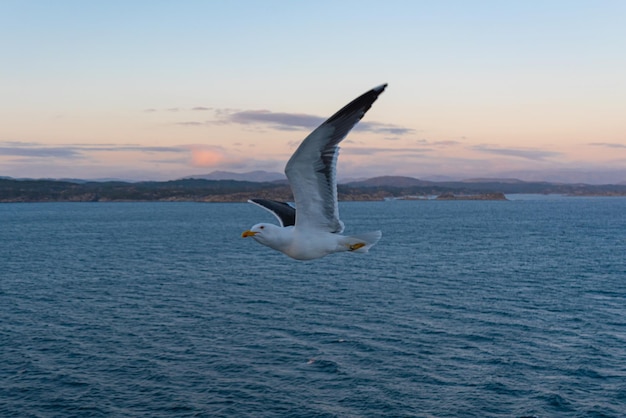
(358, 107)
(380, 88)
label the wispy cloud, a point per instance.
(608, 144)
(283, 121)
(140, 148)
(39, 152)
(383, 128)
(377, 150)
(71, 151)
(441, 144)
(192, 123)
(300, 121)
(179, 109)
(529, 154)
(28, 159)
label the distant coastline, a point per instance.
(202, 190)
(480, 196)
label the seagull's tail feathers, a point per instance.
(360, 243)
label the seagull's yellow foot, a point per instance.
(354, 247)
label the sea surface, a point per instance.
(464, 309)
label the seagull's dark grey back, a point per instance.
(285, 213)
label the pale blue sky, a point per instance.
(476, 88)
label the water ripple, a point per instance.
(500, 309)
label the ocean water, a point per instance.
(463, 309)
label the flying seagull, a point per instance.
(313, 229)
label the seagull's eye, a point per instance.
(262, 227)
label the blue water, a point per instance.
(472, 309)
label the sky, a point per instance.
(159, 90)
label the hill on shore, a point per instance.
(201, 190)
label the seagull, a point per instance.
(313, 229)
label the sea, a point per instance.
(464, 309)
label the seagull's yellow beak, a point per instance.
(247, 234)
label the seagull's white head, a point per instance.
(267, 234)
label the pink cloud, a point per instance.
(205, 157)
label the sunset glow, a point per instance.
(160, 90)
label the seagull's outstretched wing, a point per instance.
(311, 169)
(285, 213)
